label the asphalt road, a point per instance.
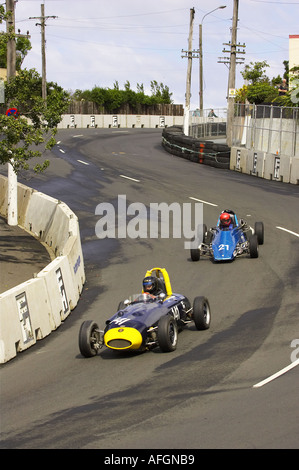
(201, 396)
(21, 255)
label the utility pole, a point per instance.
(232, 76)
(11, 43)
(12, 182)
(226, 60)
(42, 24)
(189, 69)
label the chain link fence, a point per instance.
(266, 128)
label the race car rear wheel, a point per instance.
(253, 247)
(201, 313)
(259, 231)
(167, 333)
(195, 254)
(89, 338)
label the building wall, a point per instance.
(293, 50)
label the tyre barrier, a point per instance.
(196, 150)
(32, 310)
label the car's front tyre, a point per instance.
(259, 231)
(201, 313)
(167, 333)
(89, 338)
(253, 247)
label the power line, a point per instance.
(128, 16)
(277, 3)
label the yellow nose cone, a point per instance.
(123, 338)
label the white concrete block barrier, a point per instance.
(277, 167)
(147, 121)
(61, 290)
(48, 219)
(294, 178)
(25, 317)
(42, 303)
(247, 161)
(265, 165)
(238, 159)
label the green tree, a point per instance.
(261, 92)
(99, 95)
(36, 126)
(140, 88)
(160, 93)
(23, 46)
(113, 98)
(258, 88)
(255, 72)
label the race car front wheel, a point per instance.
(259, 231)
(253, 247)
(89, 338)
(167, 333)
(201, 313)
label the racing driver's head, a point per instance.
(149, 284)
(225, 219)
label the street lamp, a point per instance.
(200, 59)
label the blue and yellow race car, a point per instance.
(146, 320)
(229, 239)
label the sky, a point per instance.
(100, 42)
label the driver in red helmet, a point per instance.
(226, 221)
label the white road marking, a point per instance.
(62, 151)
(289, 231)
(78, 135)
(128, 178)
(81, 161)
(278, 374)
(204, 202)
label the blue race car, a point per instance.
(146, 320)
(229, 239)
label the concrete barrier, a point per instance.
(62, 293)
(83, 121)
(246, 161)
(265, 165)
(277, 167)
(25, 317)
(294, 177)
(33, 309)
